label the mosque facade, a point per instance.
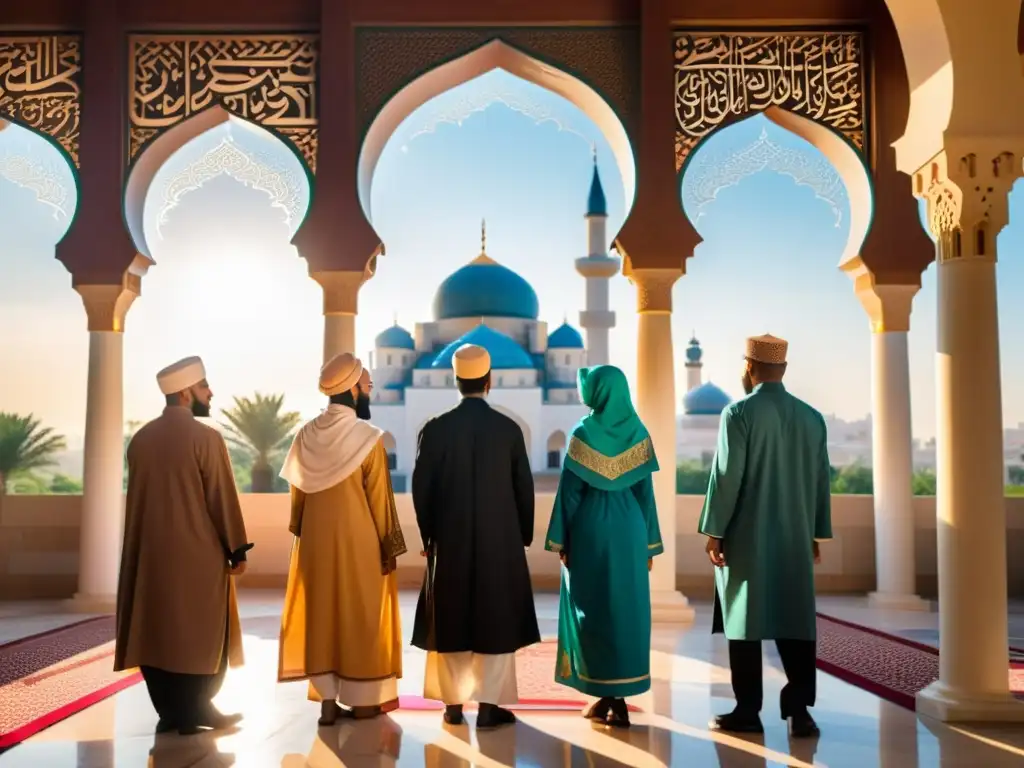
(533, 370)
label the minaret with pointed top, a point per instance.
(694, 363)
(597, 268)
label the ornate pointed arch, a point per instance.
(398, 70)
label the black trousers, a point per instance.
(182, 699)
(798, 661)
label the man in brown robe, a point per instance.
(184, 537)
(341, 627)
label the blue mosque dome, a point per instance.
(565, 337)
(505, 352)
(597, 205)
(484, 288)
(395, 337)
(693, 352)
(705, 400)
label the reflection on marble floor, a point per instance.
(691, 682)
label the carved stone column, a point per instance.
(656, 404)
(967, 207)
(102, 521)
(341, 305)
(888, 306)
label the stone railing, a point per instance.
(39, 546)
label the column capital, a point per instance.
(888, 304)
(967, 195)
(107, 305)
(341, 289)
(654, 289)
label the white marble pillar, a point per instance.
(102, 520)
(655, 401)
(888, 307)
(971, 517)
(341, 305)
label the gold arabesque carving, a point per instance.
(40, 85)
(270, 80)
(722, 76)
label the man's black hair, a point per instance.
(343, 398)
(472, 386)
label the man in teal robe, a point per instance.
(604, 525)
(768, 505)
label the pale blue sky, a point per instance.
(229, 286)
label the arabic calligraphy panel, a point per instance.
(269, 80)
(40, 85)
(721, 76)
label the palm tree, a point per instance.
(258, 427)
(25, 445)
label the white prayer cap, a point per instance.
(340, 374)
(471, 362)
(180, 376)
(767, 349)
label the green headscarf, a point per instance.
(610, 449)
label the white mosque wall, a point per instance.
(39, 540)
(564, 364)
(391, 364)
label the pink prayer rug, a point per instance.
(890, 667)
(535, 677)
(48, 677)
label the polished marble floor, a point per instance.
(691, 682)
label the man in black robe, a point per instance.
(473, 492)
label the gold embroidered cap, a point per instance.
(340, 374)
(767, 349)
(471, 362)
(181, 375)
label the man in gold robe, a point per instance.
(341, 627)
(184, 537)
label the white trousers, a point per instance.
(457, 678)
(355, 693)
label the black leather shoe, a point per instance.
(218, 720)
(737, 722)
(619, 715)
(599, 710)
(802, 726)
(453, 715)
(493, 716)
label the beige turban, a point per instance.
(471, 362)
(180, 376)
(340, 374)
(767, 349)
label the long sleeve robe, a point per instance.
(341, 612)
(473, 491)
(176, 602)
(768, 500)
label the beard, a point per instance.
(200, 410)
(363, 407)
(748, 385)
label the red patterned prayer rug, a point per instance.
(535, 678)
(890, 667)
(48, 677)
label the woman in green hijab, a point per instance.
(605, 528)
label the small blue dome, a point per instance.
(693, 352)
(395, 337)
(597, 205)
(484, 288)
(565, 337)
(505, 352)
(705, 400)
(425, 360)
